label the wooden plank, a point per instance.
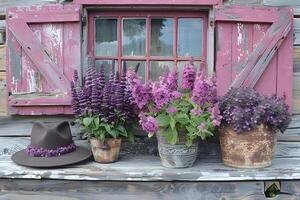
(297, 31)
(243, 2)
(259, 59)
(246, 14)
(144, 2)
(296, 80)
(3, 97)
(38, 55)
(4, 4)
(44, 189)
(21, 126)
(285, 69)
(223, 56)
(291, 187)
(148, 168)
(290, 3)
(135, 167)
(2, 58)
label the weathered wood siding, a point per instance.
(43, 50)
(254, 49)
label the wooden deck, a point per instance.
(139, 174)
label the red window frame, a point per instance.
(147, 15)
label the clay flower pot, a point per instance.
(106, 152)
(252, 149)
(178, 155)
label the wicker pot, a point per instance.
(106, 152)
(252, 149)
(178, 155)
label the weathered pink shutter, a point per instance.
(254, 48)
(43, 50)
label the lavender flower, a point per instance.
(204, 91)
(140, 93)
(171, 110)
(41, 152)
(188, 78)
(161, 95)
(244, 109)
(149, 124)
(172, 80)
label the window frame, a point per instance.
(148, 15)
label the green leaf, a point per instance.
(87, 121)
(182, 118)
(114, 133)
(163, 120)
(96, 121)
(191, 129)
(122, 130)
(172, 136)
(172, 123)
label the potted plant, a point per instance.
(178, 116)
(249, 125)
(104, 110)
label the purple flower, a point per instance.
(171, 110)
(172, 80)
(197, 111)
(216, 122)
(149, 124)
(176, 94)
(202, 126)
(188, 78)
(204, 91)
(141, 93)
(161, 95)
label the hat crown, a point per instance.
(51, 136)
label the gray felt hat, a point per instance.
(51, 146)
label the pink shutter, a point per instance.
(254, 48)
(43, 50)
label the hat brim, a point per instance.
(22, 158)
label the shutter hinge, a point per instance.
(83, 20)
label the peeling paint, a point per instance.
(32, 82)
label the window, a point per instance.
(151, 39)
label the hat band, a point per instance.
(41, 152)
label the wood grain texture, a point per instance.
(145, 2)
(132, 167)
(15, 126)
(42, 58)
(13, 3)
(30, 189)
(296, 80)
(243, 2)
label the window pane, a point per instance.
(106, 41)
(162, 32)
(157, 68)
(134, 37)
(142, 68)
(107, 66)
(190, 37)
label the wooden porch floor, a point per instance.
(139, 174)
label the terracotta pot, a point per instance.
(106, 152)
(178, 155)
(252, 149)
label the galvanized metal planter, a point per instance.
(253, 149)
(178, 155)
(107, 152)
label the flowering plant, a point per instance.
(102, 107)
(244, 109)
(166, 109)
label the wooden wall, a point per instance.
(292, 3)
